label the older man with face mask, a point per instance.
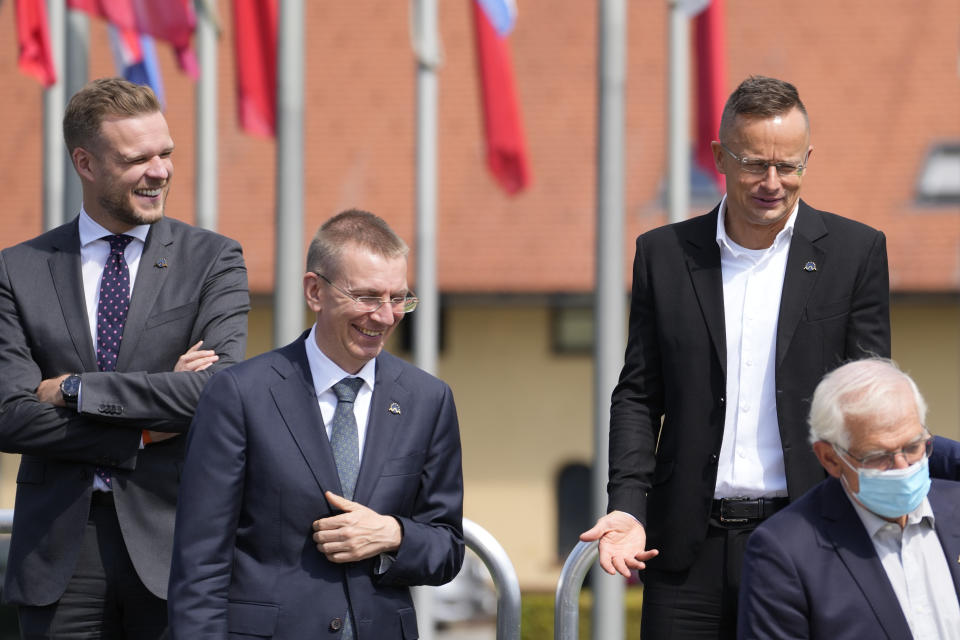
(874, 550)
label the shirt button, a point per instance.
(336, 624)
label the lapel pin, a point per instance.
(810, 266)
(161, 263)
(394, 408)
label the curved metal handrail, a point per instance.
(566, 616)
(492, 554)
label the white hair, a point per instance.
(869, 390)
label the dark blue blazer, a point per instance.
(811, 570)
(258, 463)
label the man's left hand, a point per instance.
(356, 534)
(49, 391)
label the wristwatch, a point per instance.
(70, 390)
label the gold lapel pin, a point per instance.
(810, 266)
(161, 263)
(394, 408)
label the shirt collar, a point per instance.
(326, 373)
(874, 523)
(91, 230)
(727, 244)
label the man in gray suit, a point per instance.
(101, 326)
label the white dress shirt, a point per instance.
(325, 374)
(913, 560)
(93, 258)
(751, 453)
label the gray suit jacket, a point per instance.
(191, 285)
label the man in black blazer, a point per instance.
(308, 509)
(735, 316)
(101, 324)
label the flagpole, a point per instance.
(288, 311)
(53, 103)
(610, 304)
(207, 178)
(426, 323)
(678, 113)
(76, 70)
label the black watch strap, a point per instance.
(70, 390)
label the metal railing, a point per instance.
(566, 616)
(481, 542)
(492, 554)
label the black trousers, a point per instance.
(701, 602)
(105, 598)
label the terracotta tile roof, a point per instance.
(880, 81)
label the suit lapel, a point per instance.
(68, 281)
(296, 401)
(845, 533)
(703, 262)
(386, 418)
(146, 288)
(798, 281)
(947, 518)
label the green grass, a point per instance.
(537, 614)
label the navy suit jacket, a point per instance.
(811, 570)
(258, 464)
(191, 285)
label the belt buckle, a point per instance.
(724, 502)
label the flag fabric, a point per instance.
(35, 57)
(255, 46)
(135, 57)
(710, 38)
(507, 156)
(172, 21)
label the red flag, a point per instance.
(711, 84)
(171, 20)
(506, 149)
(33, 39)
(255, 45)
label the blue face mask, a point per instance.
(894, 492)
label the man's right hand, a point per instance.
(193, 360)
(622, 543)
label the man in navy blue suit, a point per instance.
(873, 551)
(322, 479)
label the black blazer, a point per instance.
(675, 364)
(191, 284)
(258, 464)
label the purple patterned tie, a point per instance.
(112, 311)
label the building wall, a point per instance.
(526, 411)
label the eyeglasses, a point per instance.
(760, 167)
(913, 452)
(369, 304)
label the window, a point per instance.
(939, 181)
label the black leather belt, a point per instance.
(742, 510)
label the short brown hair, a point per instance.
(352, 226)
(760, 97)
(100, 99)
